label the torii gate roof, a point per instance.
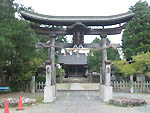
(70, 20)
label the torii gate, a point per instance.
(78, 26)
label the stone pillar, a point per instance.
(48, 90)
(52, 59)
(33, 84)
(131, 83)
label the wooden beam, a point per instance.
(70, 45)
(47, 31)
(108, 31)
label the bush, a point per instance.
(40, 78)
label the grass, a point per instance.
(39, 100)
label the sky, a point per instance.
(82, 8)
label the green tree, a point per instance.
(7, 13)
(17, 42)
(6, 9)
(123, 67)
(140, 66)
(94, 62)
(136, 36)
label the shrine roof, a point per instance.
(73, 59)
(70, 20)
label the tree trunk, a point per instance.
(2, 78)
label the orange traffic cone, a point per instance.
(20, 104)
(6, 107)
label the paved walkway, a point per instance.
(82, 102)
(76, 86)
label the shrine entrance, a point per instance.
(74, 65)
(78, 26)
(75, 71)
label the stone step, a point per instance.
(76, 80)
(76, 86)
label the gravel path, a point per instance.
(83, 102)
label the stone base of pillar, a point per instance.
(131, 89)
(48, 94)
(54, 91)
(106, 93)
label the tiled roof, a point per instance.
(73, 59)
(70, 20)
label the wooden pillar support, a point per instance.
(52, 57)
(104, 56)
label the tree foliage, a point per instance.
(136, 36)
(19, 59)
(123, 67)
(140, 65)
(18, 54)
(6, 9)
(94, 62)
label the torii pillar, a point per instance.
(105, 87)
(104, 56)
(51, 54)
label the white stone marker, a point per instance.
(48, 90)
(33, 84)
(106, 90)
(131, 84)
